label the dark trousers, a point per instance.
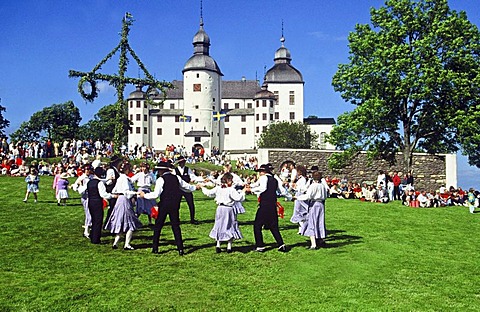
(266, 216)
(174, 216)
(96, 211)
(396, 192)
(190, 203)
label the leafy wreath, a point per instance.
(93, 85)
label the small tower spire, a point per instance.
(201, 13)
(282, 39)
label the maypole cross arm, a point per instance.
(119, 81)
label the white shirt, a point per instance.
(144, 180)
(226, 196)
(124, 186)
(184, 186)
(261, 185)
(190, 173)
(316, 191)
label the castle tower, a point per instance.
(202, 95)
(286, 82)
(138, 114)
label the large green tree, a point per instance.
(4, 123)
(413, 75)
(102, 125)
(56, 122)
(288, 135)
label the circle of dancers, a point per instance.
(128, 194)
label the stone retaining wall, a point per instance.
(429, 171)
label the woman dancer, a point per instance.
(300, 208)
(80, 186)
(314, 227)
(226, 224)
(144, 180)
(123, 219)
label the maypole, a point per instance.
(119, 82)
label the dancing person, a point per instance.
(32, 181)
(96, 193)
(111, 179)
(80, 186)
(123, 218)
(314, 227)
(144, 180)
(62, 189)
(168, 188)
(188, 176)
(266, 189)
(300, 208)
(226, 224)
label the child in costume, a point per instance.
(32, 184)
(62, 189)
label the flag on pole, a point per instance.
(184, 118)
(218, 115)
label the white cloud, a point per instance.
(105, 87)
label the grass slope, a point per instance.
(380, 257)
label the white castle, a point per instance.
(205, 111)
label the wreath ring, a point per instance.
(93, 85)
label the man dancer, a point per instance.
(168, 188)
(111, 179)
(187, 175)
(266, 189)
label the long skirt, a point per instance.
(144, 206)
(315, 225)
(238, 208)
(226, 225)
(88, 217)
(300, 211)
(123, 217)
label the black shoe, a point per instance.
(218, 250)
(114, 247)
(229, 250)
(155, 251)
(282, 248)
(312, 248)
(181, 252)
(194, 222)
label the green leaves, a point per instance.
(288, 135)
(408, 77)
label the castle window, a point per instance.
(137, 130)
(145, 105)
(249, 105)
(138, 117)
(292, 115)
(257, 116)
(145, 117)
(159, 131)
(198, 75)
(131, 104)
(292, 98)
(244, 130)
(131, 117)
(277, 115)
(177, 131)
(256, 102)
(159, 118)
(227, 119)
(257, 129)
(237, 105)
(177, 118)
(271, 116)
(264, 128)
(264, 103)
(271, 103)
(197, 139)
(264, 116)
(225, 105)
(244, 118)
(214, 100)
(144, 130)
(197, 87)
(196, 119)
(139, 104)
(226, 131)
(196, 106)
(172, 105)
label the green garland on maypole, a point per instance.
(119, 81)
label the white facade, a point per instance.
(186, 117)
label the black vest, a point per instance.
(185, 176)
(269, 196)
(93, 194)
(171, 194)
(110, 187)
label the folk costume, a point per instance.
(187, 175)
(266, 189)
(80, 186)
(144, 180)
(168, 188)
(62, 189)
(96, 192)
(111, 179)
(226, 225)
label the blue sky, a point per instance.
(40, 41)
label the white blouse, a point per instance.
(226, 196)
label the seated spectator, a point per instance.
(424, 200)
(382, 194)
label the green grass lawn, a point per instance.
(379, 258)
